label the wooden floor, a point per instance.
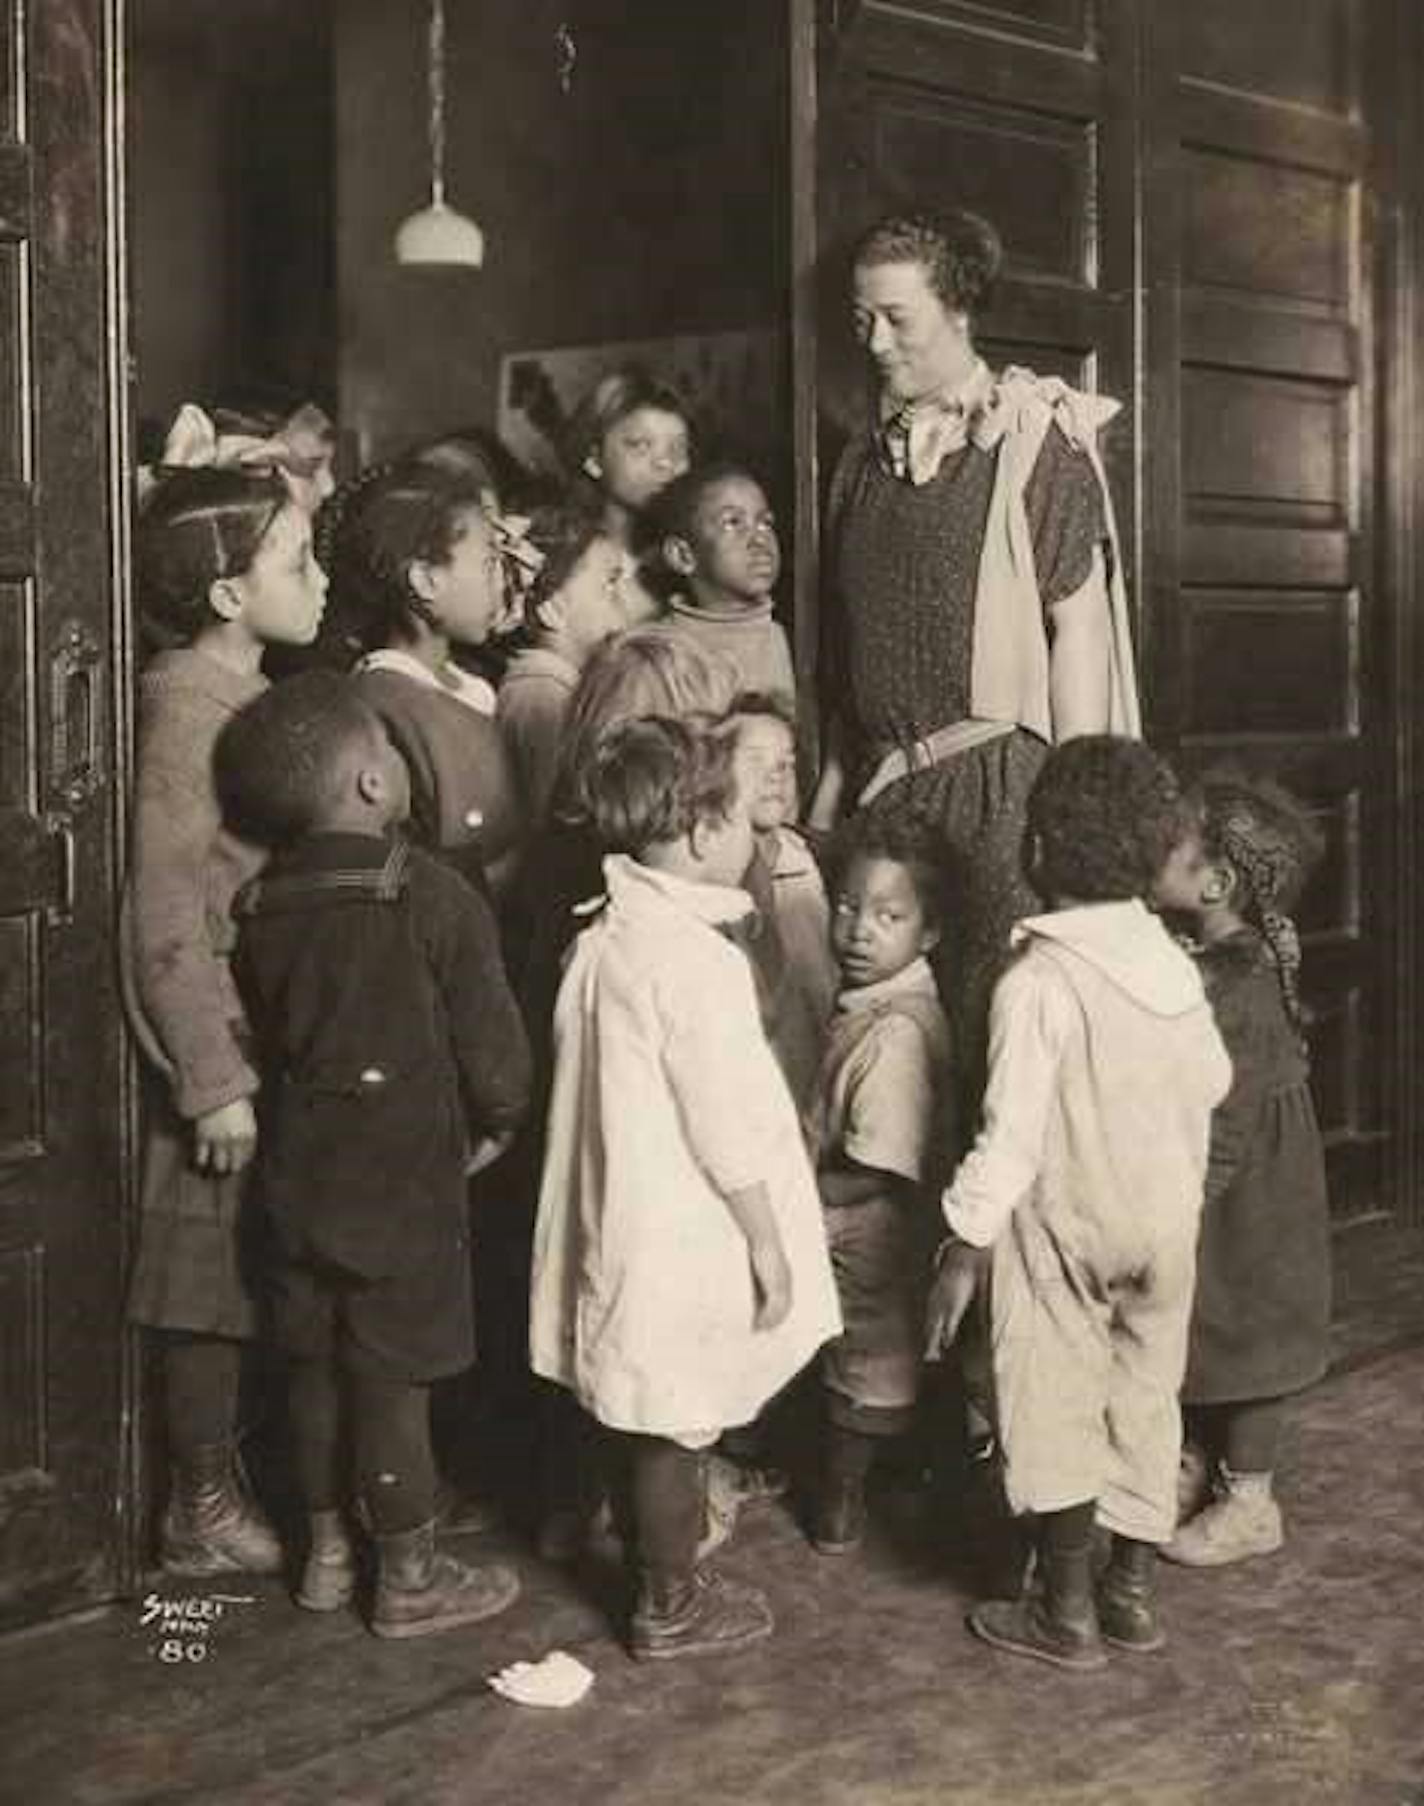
(1293, 1680)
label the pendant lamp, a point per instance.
(438, 234)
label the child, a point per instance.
(224, 569)
(416, 572)
(628, 438)
(1083, 1194)
(718, 535)
(785, 883)
(1262, 1307)
(579, 597)
(878, 1128)
(680, 1269)
(390, 1047)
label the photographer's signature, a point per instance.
(182, 1626)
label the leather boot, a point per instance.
(838, 1522)
(212, 1525)
(838, 1526)
(420, 1590)
(329, 1573)
(1127, 1605)
(697, 1614)
(1056, 1620)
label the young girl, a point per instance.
(415, 573)
(1262, 1304)
(578, 598)
(627, 440)
(224, 569)
(680, 1269)
(785, 882)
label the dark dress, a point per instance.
(1262, 1307)
(904, 561)
(388, 1040)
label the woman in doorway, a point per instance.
(978, 603)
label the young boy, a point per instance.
(394, 1062)
(879, 1128)
(680, 1269)
(1081, 1197)
(718, 535)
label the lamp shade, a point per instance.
(438, 234)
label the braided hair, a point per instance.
(1266, 838)
(372, 531)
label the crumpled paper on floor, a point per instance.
(558, 1680)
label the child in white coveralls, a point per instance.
(681, 1276)
(1080, 1201)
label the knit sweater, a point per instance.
(177, 931)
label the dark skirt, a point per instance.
(1261, 1318)
(200, 1237)
(975, 805)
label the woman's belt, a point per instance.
(929, 750)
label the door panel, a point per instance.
(61, 1144)
(1264, 622)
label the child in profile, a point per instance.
(680, 1270)
(1262, 1312)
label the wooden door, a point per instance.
(61, 1148)
(1261, 188)
(1188, 191)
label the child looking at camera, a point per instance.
(879, 1130)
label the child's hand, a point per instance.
(771, 1278)
(226, 1138)
(958, 1277)
(486, 1151)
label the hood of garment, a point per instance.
(1127, 944)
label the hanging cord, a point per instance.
(435, 76)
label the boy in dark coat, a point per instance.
(393, 1063)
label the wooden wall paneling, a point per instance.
(1394, 65)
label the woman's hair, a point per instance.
(960, 253)
(561, 536)
(611, 399)
(910, 844)
(1262, 833)
(1103, 815)
(652, 780)
(279, 763)
(197, 526)
(653, 670)
(374, 529)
